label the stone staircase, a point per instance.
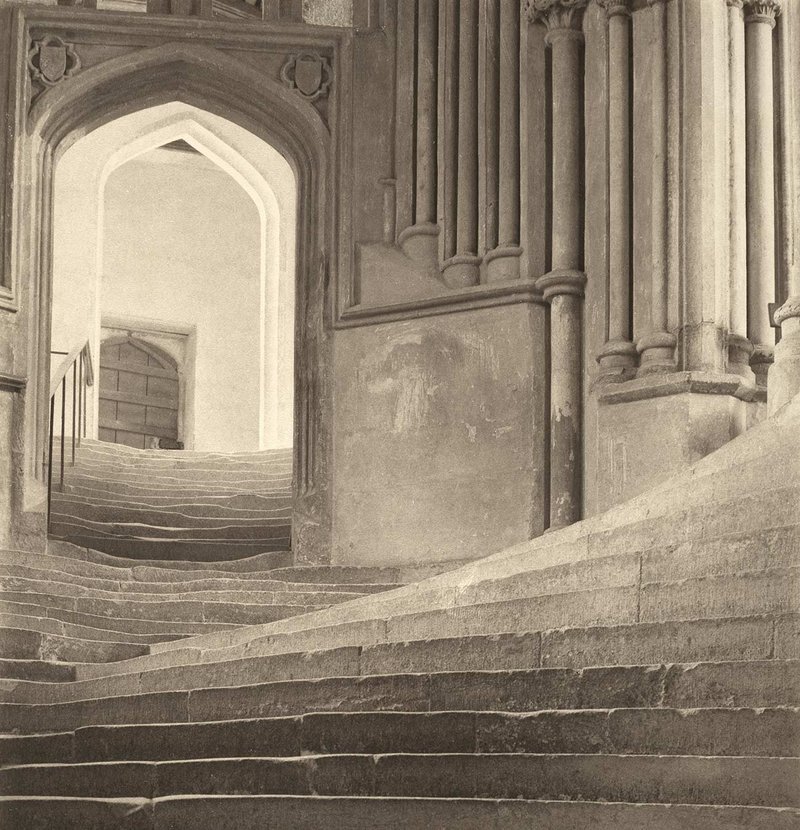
(163, 504)
(640, 669)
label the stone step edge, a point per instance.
(788, 663)
(138, 665)
(368, 713)
(371, 609)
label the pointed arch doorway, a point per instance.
(201, 76)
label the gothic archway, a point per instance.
(211, 80)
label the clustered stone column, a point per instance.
(618, 357)
(739, 346)
(563, 286)
(420, 240)
(657, 347)
(759, 16)
(502, 258)
(463, 269)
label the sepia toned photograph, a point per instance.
(400, 414)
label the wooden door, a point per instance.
(139, 394)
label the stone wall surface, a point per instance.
(439, 436)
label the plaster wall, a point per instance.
(182, 244)
(439, 436)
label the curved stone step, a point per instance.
(240, 592)
(36, 578)
(238, 812)
(29, 644)
(196, 551)
(678, 686)
(611, 778)
(771, 732)
(40, 671)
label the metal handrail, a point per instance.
(78, 361)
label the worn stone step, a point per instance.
(16, 577)
(195, 551)
(733, 684)
(237, 812)
(267, 533)
(614, 778)
(338, 651)
(175, 610)
(771, 732)
(441, 608)
(264, 561)
(50, 625)
(99, 622)
(16, 589)
(40, 671)
(183, 515)
(29, 644)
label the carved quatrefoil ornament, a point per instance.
(309, 73)
(50, 60)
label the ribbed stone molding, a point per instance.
(759, 17)
(657, 347)
(618, 356)
(563, 286)
(784, 374)
(463, 269)
(740, 349)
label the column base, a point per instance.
(760, 361)
(421, 243)
(784, 374)
(740, 350)
(617, 359)
(502, 264)
(656, 353)
(461, 271)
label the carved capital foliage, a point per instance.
(50, 60)
(791, 308)
(616, 7)
(557, 14)
(308, 73)
(736, 4)
(762, 11)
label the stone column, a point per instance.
(739, 347)
(618, 357)
(502, 263)
(463, 269)
(563, 285)
(420, 240)
(657, 347)
(759, 16)
(448, 119)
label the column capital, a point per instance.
(557, 15)
(561, 281)
(762, 11)
(735, 4)
(615, 7)
(791, 308)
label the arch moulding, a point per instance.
(226, 80)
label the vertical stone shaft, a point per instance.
(503, 262)
(420, 240)
(759, 23)
(567, 71)
(449, 121)
(491, 115)
(563, 286)
(618, 356)
(657, 347)
(739, 348)
(508, 222)
(427, 37)
(463, 268)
